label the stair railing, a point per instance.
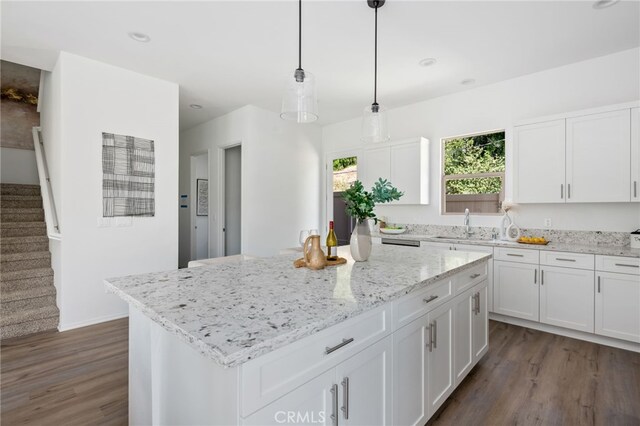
(50, 214)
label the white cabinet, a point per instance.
(482, 249)
(355, 392)
(617, 307)
(539, 162)
(409, 373)
(480, 328)
(440, 382)
(471, 331)
(515, 289)
(597, 165)
(405, 164)
(566, 297)
(635, 154)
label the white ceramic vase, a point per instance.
(360, 243)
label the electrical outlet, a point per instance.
(547, 222)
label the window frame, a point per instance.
(444, 178)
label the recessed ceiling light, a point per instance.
(141, 37)
(603, 4)
(196, 106)
(467, 81)
(427, 62)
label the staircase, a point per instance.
(27, 293)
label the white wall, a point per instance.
(602, 81)
(281, 178)
(18, 166)
(84, 98)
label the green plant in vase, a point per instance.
(359, 205)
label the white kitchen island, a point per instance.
(259, 342)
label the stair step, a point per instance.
(22, 229)
(25, 274)
(26, 293)
(29, 327)
(29, 260)
(21, 201)
(18, 189)
(28, 315)
(21, 305)
(24, 244)
(15, 285)
(21, 215)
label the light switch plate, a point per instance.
(547, 223)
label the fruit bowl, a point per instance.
(393, 231)
(541, 241)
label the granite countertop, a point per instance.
(237, 311)
(552, 246)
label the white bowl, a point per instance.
(393, 231)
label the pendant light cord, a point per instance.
(299, 34)
(375, 59)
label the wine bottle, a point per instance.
(332, 244)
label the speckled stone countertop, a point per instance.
(552, 246)
(237, 311)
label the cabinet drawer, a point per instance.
(624, 265)
(418, 303)
(272, 375)
(568, 260)
(467, 279)
(516, 255)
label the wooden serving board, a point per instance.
(534, 244)
(300, 263)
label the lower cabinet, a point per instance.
(617, 306)
(566, 297)
(355, 392)
(433, 353)
(515, 289)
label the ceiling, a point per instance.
(226, 54)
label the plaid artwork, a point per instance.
(128, 176)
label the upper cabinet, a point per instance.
(582, 158)
(405, 164)
(635, 154)
(597, 159)
(538, 161)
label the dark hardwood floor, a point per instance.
(78, 377)
(528, 378)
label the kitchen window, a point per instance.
(473, 173)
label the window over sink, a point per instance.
(473, 173)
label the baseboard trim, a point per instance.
(580, 335)
(92, 321)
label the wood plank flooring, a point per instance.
(528, 378)
(78, 377)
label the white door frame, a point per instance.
(328, 179)
(221, 196)
(193, 207)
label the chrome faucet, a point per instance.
(467, 228)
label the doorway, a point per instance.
(342, 173)
(199, 206)
(232, 230)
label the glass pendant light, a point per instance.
(374, 120)
(299, 102)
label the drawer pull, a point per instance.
(515, 255)
(562, 259)
(345, 342)
(474, 276)
(627, 265)
(345, 398)
(430, 299)
(430, 337)
(435, 334)
(334, 404)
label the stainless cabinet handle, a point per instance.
(627, 265)
(430, 299)
(542, 277)
(334, 404)
(562, 259)
(635, 189)
(515, 255)
(535, 276)
(475, 304)
(561, 191)
(568, 190)
(598, 283)
(435, 334)
(345, 342)
(430, 337)
(474, 276)
(345, 398)
(478, 299)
